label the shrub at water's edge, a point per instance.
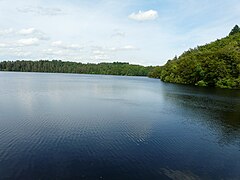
(216, 64)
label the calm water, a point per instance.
(66, 126)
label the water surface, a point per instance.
(69, 126)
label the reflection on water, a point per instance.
(218, 110)
(56, 126)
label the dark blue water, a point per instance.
(66, 126)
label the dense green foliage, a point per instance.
(216, 64)
(116, 68)
(235, 30)
(155, 72)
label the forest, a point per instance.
(216, 64)
(58, 66)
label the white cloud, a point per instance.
(73, 47)
(129, 47)
(39, 10)
(3, 45)
(144, 15)
(57, 43)
(12, 33)
(100, 57)
(32, 31)
(22, 54)
(98, 52)
(53, 52)
(28, 42)
(27, 31)
(118, 33)
(124, 48)
(6, 31)
(60, 44)
(104, 53)
(97, 48)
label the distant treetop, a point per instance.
(235, 30)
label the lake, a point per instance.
(70, 126)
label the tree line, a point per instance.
(58, 66)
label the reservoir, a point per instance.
(72, 126)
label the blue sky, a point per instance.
(147, 32)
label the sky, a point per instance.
(146, 32)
